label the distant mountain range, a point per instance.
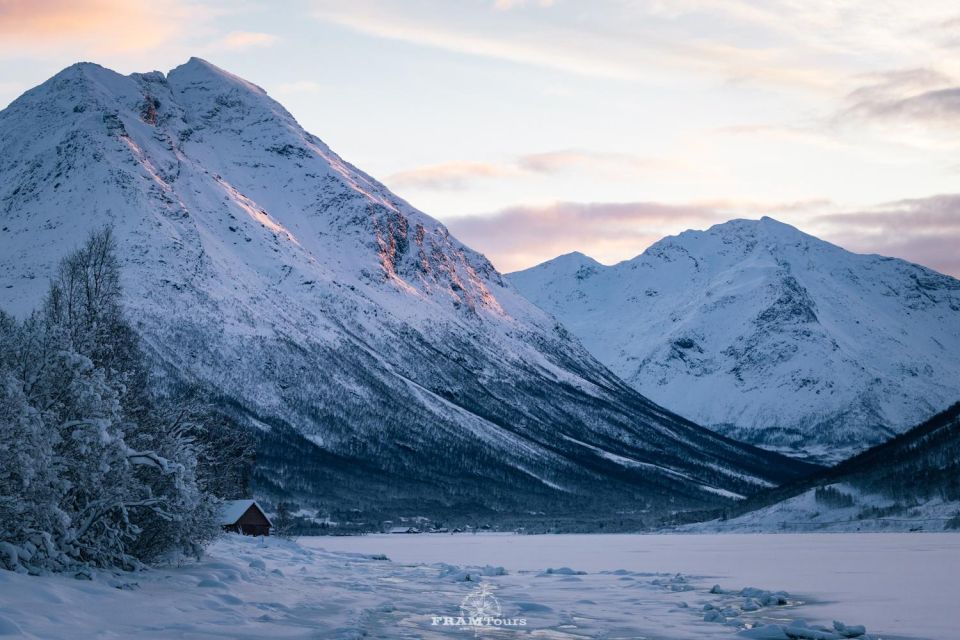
(767, 334)
(911, 482)
(387, 367)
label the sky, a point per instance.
(533, 128)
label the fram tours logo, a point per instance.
(479, 609)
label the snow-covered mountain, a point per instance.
(385, 363)
(767, 334)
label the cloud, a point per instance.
(626, 41)
(94, 26)
(522, 236)
(921, 230)
(611, 164)
(449, 176)
(912, 96)
(238, 40)
(936, 107)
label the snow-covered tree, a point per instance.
(92, 469)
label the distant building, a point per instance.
(404, 530)
(246, 517)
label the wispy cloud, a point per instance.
(913, 96)
(448, 175)
(627, 41)
(238, 40)
(610, 164)
(461, 175)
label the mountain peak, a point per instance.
(80, 68)
(197, 71)
(82, 73)
(765, 226)
(575, 258)
(573, 264)
(768, 224)
(743, 234)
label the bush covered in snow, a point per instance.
(94, 470)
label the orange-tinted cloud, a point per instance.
(237, 40)
(95, 26)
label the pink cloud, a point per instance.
(921, 230)
(520, 237)
(924, 231)
(448, 175)
(460, 175)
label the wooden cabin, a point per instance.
(246, 517)
(404, 530)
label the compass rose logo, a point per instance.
(479, 611)
(481, 603)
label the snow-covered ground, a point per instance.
(576, 586)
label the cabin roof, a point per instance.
(232, 510)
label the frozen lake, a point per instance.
(564, 587)
(897, 584)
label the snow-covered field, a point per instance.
(617, 586)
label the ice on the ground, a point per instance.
(248, 588)
(800, 630)
(849, 630)
(765, 632)
(562, 571)
(468, 574)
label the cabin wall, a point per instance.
(251, 523)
